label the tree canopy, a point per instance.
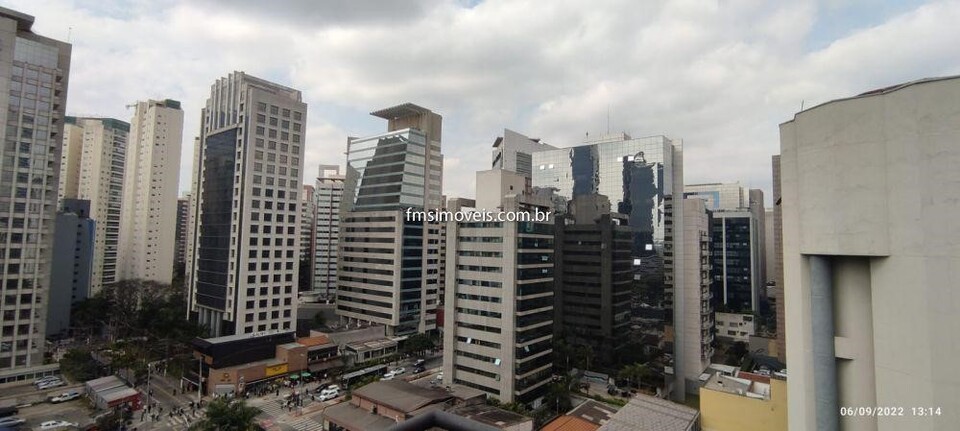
(225, 414)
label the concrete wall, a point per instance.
(870, 186)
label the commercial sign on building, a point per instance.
(275, 370)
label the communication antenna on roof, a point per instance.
(69, 34)
(608, 118)
(801, 104)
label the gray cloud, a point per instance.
(721, 75)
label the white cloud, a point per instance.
(720, 75)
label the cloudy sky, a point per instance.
(718, 74)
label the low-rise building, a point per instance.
(648, 413)
(735, 326)
(110, 392)
(397, 404)
(246, 362)
(588, 416)
(363, 344)
(744, 402)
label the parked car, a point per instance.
(45, 379)
(419, 369)
(389, 375)
(332, 388)
(51, 384)
(52, 425)
(64, 397)
(399, 371)
(419, 362)
(439, 376)
(11, 421)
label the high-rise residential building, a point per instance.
(593, 276)
(778, 263)
(738, 222)
(98, 178)
(643, 178)
(513, 152)
(870, 198)
(308, 210)
(697, 322)
(327, 194)
(180, 247)
(243, 272)
(34, 77)
(71, 264)
(151, 184)
(388, 267)
(498, 311)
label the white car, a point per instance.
(51, 425)
(45, 379)
(389, 375)
(331, 388)
(51, 384)
(327, 395)
(11, 421)
(64, 397)
(439, 377)
(399, 371)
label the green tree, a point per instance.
(79, 365)
(418, 343)
(558, 396)
(233, 415)
(634, 373)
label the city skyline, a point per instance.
(725, 76)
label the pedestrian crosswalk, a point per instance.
(183, 421)
(270, 408)
(305, 423)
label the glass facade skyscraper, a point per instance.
(634, 174)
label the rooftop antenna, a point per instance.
(608, 118)
(801, 104)
(69, 34)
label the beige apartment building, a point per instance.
(499, 303)
(148, 224)
(92, 166)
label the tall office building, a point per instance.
(513, 152)
(719, 196)
(389, 267)
(183, 217)
(97, 177)
(498, 311)
(308, 210)
(34, 79)
(697, 320)
(738, 220)
(643, 178)
(243, 273)
(870, 197)
(779, 297)
(72, 263)
(152, 180)
(593, 276)
(327, 194)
